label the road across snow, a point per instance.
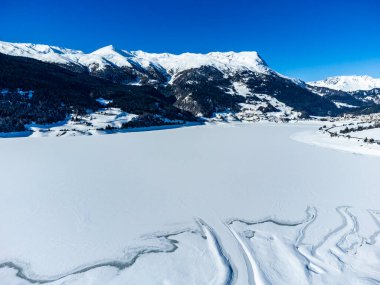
(215, 204)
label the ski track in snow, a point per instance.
(295, 261)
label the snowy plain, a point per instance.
(215, 204)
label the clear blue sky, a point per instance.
(309, 39)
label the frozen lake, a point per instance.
(214, 204)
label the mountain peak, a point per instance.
(110, 49)
(106, 49)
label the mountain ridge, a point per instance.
(109, 55)
(223, 85)
(348, 83)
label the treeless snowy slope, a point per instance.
(225, 204)
(223, 61)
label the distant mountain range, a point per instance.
(348, 83)
(164, 88)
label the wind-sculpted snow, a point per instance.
(120, 209)
(274, 251)
(200, 244)
(168, 244)
(278, 254)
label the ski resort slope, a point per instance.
(215, 204)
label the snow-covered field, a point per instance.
(214, 204)
(354, 145)
(371, 133)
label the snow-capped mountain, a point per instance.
(171, 64)
(223, 61)
(41, 52)
(348, 83)
(109, 56)
(203, 84)
(216, 85)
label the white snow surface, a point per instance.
(117, 57)
(348, 83)
(90, 124)
(223, 61)
(343, 105)
(41, 52)
(351, 145)
(97, 60)
(215, 204)
(242, 89)
(372, 133)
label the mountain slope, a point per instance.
(35, 91)
(258, 90)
